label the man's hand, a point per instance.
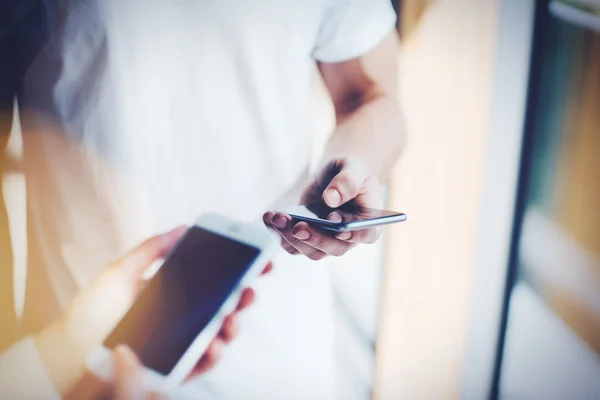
(341, 181)
(93, 314)
(369, 126)
(128, 377)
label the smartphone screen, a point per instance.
(348, 215)
(182, 298)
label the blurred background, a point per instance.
(492, 287)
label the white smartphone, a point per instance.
(182, 308)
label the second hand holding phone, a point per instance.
(183, 306)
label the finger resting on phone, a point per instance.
(365, 236)
(279, 220)
(246, 299)
(268, 268)
(214, 352)
(128, 374)
(210, 358)
(288, 247)
(230, 328)
(268, 221)
(320, 240)
(283, 224)
(345, 186)
(304, 248)
(268, 218)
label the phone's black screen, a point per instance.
(182, 298)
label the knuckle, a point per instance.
(210, 355)
(295, 243)
(345, 179)
(340, 251)
(290, 250)
(316, 256)
(267, 217)
(352, 160)
(347, 183)
(318, 241)
(288, 247)
(372, 238)
(360, 236)
(377, 234)
(368, 236)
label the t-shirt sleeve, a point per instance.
(351, 28)
(23, 375)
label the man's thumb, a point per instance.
(141, 257)
(128, 384)
(345, 186)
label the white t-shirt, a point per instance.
(172, 108)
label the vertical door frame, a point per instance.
(499, 202)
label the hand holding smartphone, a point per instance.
(183, 306)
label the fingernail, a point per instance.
(302, 234)
(332, 197)
(335, 217)
(344, 235)
(217, 348)
(280, 222)
(233, 326)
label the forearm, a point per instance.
(64, 344)
(64, 362)
(374, 132)
(23, 375)
(63, 359)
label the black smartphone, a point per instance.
(345, 218)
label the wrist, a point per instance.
(63, 359)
